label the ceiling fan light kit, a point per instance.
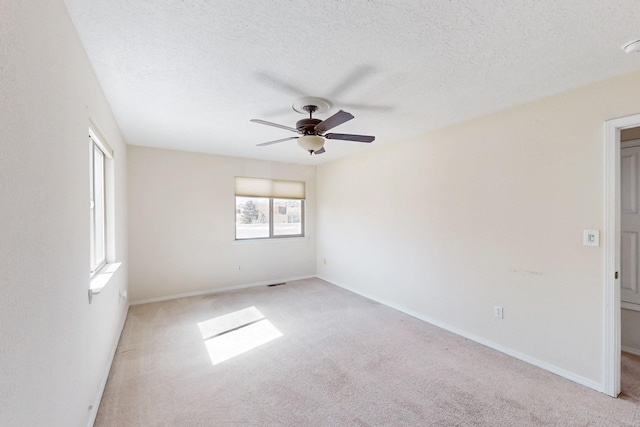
(313, 131)
(311, 143)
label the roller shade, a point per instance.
(277, 189)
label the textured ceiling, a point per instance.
(189, 74)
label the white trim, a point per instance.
(630, 350)
(218, 290)
(611, 311)
(98, 136)
(611, 344)
(105, 377)
(523, 357)
(263, 240)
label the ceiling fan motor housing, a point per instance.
(307, 126)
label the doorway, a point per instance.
(612, 251)
(630, 259)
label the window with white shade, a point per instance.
(267, 208)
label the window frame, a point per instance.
(270, 220)
(94, 218)
(272, 227)
(97, 141)
(270, 189)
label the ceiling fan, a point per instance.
(313, 131)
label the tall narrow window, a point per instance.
(97, 206)
(268, 208)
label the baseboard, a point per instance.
(218, 290)
(520, 356)
(631, 350)
(105, 377)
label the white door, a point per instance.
(630, 198)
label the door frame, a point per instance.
(612, 303)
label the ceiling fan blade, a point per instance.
(264, 122)
(279, 83)
(277, 112)
(353, 79)
(320, 151)
(337, 119)
(349, 137)
(276, 141)
(381, 108)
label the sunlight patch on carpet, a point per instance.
(223, 324)
(236, 333)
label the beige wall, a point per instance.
(181, 225)
(493, 214)
(55, 348)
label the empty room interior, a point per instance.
(319, 213)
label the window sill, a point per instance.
(270, 240)
(102, 278)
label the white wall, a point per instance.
(55, 347)
(488, 212)
(182, 225)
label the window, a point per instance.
(269, 208)
(98, 200)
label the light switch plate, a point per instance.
(591, 238)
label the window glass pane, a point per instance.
(252, 217)
(92, 211)
(287, 217)
(99, 207)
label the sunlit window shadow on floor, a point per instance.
(236, 333)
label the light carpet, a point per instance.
(341, 360)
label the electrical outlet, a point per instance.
(238, 267)
(498, 312)
(324, 261)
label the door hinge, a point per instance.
(616, 274)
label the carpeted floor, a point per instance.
(327, 357)
(630, 376)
